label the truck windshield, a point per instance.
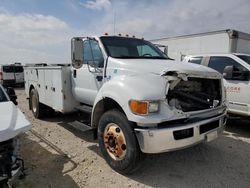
(121, 47)
(3, 97)
(245, 58)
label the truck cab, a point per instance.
(139, 100)
(235, 69)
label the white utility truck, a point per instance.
(224, 41)
(236, 72)
(139, 100)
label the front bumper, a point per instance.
(174, 137)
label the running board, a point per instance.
(84, 128)
(85, 108)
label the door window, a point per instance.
(196, 60)
(3, 97)
(219, 63)
(92, 53)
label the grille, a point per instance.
(195, 94)
(209, 126)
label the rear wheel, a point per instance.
(118, 142)
(36, 107)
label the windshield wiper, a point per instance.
(156, 57)
(140, 57)
(127, 57)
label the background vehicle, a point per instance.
(12, 124)
(139, 100)
(7, 76)
(11, 75)
(235, 69)
(19, 74)
(224, 41)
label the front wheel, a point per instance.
(118, 142)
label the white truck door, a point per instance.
(85, 80)
(237, 90)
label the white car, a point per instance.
(235, 69)
(12, 124)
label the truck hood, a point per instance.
(12, 121)
(161, 67)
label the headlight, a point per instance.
(144, 107)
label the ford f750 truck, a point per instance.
(139, 100)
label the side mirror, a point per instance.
(235, 73)
(12, 95)
(228, 73)
(77, 52)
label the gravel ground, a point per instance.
(57, 156)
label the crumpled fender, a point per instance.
(122, 89)
(12, 121)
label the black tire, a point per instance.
(129, 162)
(37, 108)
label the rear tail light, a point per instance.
(1, 75)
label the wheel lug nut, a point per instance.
(123, 147)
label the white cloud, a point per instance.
(32, 38)
(35, 38)
(97, 4)
(153, 19)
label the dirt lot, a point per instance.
(58, 156)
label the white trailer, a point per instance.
(224, 41)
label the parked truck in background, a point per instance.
(139, 100)
(11, 74)
(224, 41)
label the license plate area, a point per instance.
(211, 136)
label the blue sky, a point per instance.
(33, 31)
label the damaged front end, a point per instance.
(192, 93)
(11, 165)
(195, 108)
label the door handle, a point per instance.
(74, 73)
(99, 78)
